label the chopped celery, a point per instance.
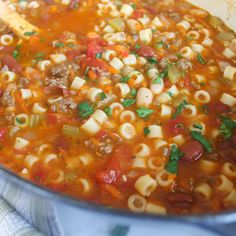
(34, 120)
(174, 74)
(118, 24)
(70, 131)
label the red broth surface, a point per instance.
(128, 104)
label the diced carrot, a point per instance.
(92, 75)
(21, 103)
(113, 191)
(92, 35)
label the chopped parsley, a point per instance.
(146, 130)
(180, 108)
(16, 54)
(227, 126)
(133, 6)
(204, 109)
(99, 55)
(124, 79)
(157, 80)
(160, 44)
(30, 33)
(201, 59)
(108, 111)
(170, 94)
(102, 96)
(133, 92)
(86, 70)
(152, 60)
(85, 109)
(172, 164)
(197, 126)
(39, 56)
(59, 45)
(144, 112)
(164, 73)
(128, 102)
(201, 139)
(137, 46)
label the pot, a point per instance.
(73, 217)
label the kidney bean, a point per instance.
(192, 150)
(11, 63)
(180, 199)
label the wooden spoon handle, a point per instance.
(16, 22)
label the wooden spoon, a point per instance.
(15, 22)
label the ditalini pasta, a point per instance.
(129, 104)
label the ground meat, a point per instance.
(22, 82)
(164, 62)
(7, 97)
(61, 74)
(184, 64)
(63, 106)
(9, 118)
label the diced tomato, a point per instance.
(118, 165)
(138, 13)
(11, 63)
(62, 143)
(101, 134)
(145, 51)
(151, 9)
(71, 54)
(217, 107)
(96, 63)
(7, 49)
(174, 127)
(95, 40)
(3, 132)
(93, 49)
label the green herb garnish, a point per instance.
(30, 33)
(59, 45)
(124, 79)
(133, 92)
(180, 108)
(102, 95)
(201, 59)
(157, 80)
(39, 56)
(143, 112)
(98, 55)
(85, 109)
(128, 102)
(137, 46)
(146, 130)
(172, 164)
(227, 126)
(108, 111)
(16, 54)
(201, 139)
(152, 61)
(197, 126)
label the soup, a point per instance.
(128, 104)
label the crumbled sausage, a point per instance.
(7, 97)
(63, 106)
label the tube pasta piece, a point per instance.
(44, 148)
(157, 88)
(54, 100)
(155, 209)
(38, 109)
(43, 65)
(30, 160)
(100, 116)
(202, 96)
(153, 73)
(224, 185)
(230, 72)
(155, 163)
(184, 25)
(21, 120)
(20, 143)
(116, 63)
(6, 39)
(173, 90)
(164, 179)
(58, 176)
(163, 98)
(227, 99)
(126, 10)
(179, 139)
(128, 116)
(207, 42)
(187, 52)
(137, 76)
(157, 22)
(127, 131)
(26, 93)
(193, 35)
(116, 107)
(107, 55)
(158, 143)
(145, 185)
(58, 58)
(8, 76)
(204, 189)
(124, 89)
(229, 170)
(144, 97)
(108, 29)
(197, 47)
(145, 35)
(155, 131)
(93, 93)
(77, 83)
(165, 110)
(141, 150)
(230, 199)
(139, 162)
(91, 126)
(189, 18)
(228, 53)
(84, 185)
(50, 157)
(208, 166)
(86, 159)
(130, 60)
(137, 203)
(133, 25)
(190, 110)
